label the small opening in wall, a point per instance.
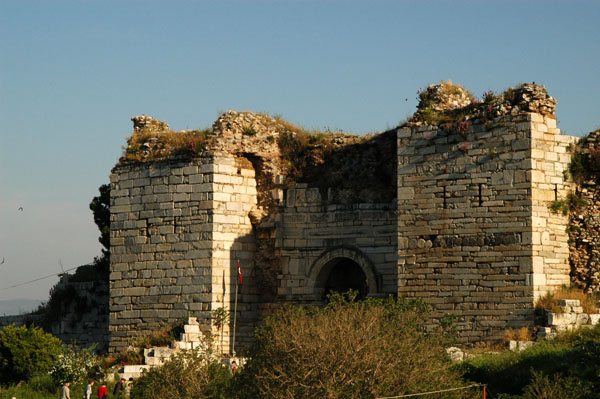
(556, 192)
(445, 203)
(480, 194)
(239, 171)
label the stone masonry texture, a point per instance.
(469, 229)
(476, 237)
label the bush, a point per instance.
(42, 382)
(189, 375)
(25, 351)
(74, 365)
(350, 349)
(556, 387)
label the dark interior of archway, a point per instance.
(347, 275)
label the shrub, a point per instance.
(25, 351)
(74, 364)
(488, 96)
(190, 374)
(556, 387)
(350, 349)
(42, 382)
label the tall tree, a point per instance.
(100, 207)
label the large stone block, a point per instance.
(561, 319)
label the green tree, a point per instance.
(25, 351)
(100, 206)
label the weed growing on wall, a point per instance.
(585, 161)
(572, 203)
(589, 302)
(152, 145)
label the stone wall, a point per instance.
(476, 236)
(177, 231)
(84, 316)
(470, 230)
(584, 218)
(313, 234)
(81, 315)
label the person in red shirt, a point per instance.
(102, 391)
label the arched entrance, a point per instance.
(341, 269)
(345, 275)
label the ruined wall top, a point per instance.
(446, 102)
(147, 123)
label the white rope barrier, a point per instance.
(432, 392)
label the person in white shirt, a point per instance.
(87, 394)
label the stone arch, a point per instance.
(321, 269)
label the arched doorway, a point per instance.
(340, 269)
(343, 275)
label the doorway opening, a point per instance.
(343, 274)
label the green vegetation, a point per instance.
(585, 162)
(134, 354)
(190, 374)
(434, 98)
(250, 131)
(350, 349)
(31, 391)
(221, 316)
(572, 203)
(589, 302)
(161, 337)
(564, 368)
(25, 351)
(34, 364)
(153, 145)
(301, 151)
(75, 365)
(347, 349)
(100, 207)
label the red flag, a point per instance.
(239, 272)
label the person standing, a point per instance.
(128, 388)
(102, 391)
(87, 394)
(119, 387)
(65, 392)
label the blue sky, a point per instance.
(72, 73)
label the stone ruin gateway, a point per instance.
(451, 207)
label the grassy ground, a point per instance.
(568, 367)
(25, 391)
